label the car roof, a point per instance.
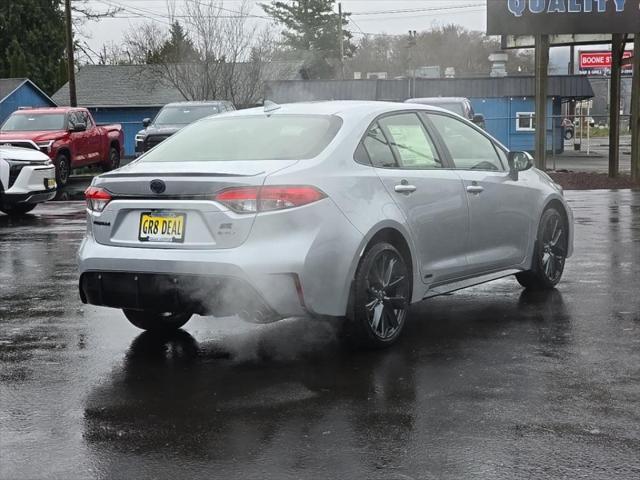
(196, 103)
(343, 108)
(436, 100)
(49, 110)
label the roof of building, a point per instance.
(570, 86)
(141, 85)
(10, 85)
(566, 86)
(119, 85)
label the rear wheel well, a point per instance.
(395, 238)
(115, 144)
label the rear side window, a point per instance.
(249, 137)
(378, 148)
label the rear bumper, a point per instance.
(298, 263)
(215, 295)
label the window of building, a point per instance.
(525, 121)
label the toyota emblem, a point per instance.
(157, 186)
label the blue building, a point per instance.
(20, 92)
(508, 103)
(124, 94)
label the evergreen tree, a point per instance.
(178, 48)
(32, 41)
(311, 26)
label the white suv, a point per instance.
(27, 177)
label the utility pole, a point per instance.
(73, 101)
(542, 69)
(635, 111)
(617, 51)
(341, 40)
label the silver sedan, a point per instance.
(347, 210)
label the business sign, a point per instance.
(531, 17)
(600, 60)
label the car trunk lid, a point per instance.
(184, 193)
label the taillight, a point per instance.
(267, 199)
(97, 198)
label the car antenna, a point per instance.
(270, 106)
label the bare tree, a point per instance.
(225, 55)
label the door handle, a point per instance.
(405, 188)
(475, 189)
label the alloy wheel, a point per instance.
(387, 294)
(554, 249)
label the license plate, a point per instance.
(49, 183)
(162, 227)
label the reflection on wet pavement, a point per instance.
(492, 382)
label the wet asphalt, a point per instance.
(488, 383)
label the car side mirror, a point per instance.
(478, 119)
(146, 122)
(519, 162)
(79, 127)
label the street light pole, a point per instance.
(73, 101)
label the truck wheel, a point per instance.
(156, 321)
(17, 210)
(568, 134)
(63, 169)
(113, 162)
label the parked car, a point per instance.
(460, 105)
(173, 117)
(352, 210)
(27, 177)
(68, 135)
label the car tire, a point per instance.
(156, 321)
(550, 251)
(568, 134)
(113, 162)
(17, 210)
(380, 298)
(63, 169)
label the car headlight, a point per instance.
(139, 138)
(45, 146)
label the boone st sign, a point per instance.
(531, 17)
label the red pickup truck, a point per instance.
(68, 135)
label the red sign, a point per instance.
(599, 60)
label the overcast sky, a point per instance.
(370, 16)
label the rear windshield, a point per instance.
(255, 137)
(26, 122)
(184, 114)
